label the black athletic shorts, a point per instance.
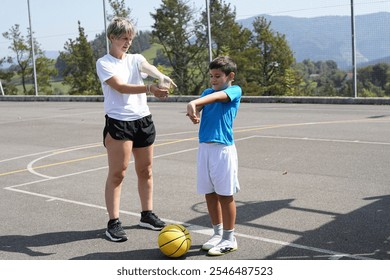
(142, 132)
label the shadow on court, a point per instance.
(364, 232)
(150, 254)
(247, 212)
(23, 243)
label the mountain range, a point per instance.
(330, 37)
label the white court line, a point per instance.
(54, 151)
(31, 169)
(195, 228)
(91, 145)
(322, 140)
(49, 117)
(237, 130)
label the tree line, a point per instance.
(266, 64)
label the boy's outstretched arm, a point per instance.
(195, 106)
(193, 112)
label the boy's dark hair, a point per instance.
(225, 63)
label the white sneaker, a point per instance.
(223, 247)
(214, 240)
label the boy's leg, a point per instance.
(214, 208)
(215, 213)
(228, 208)
(228, 242)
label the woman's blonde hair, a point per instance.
(119, 26)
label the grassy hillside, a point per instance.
(150, 53)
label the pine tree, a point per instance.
(174, 30)
(228, 37)
(45, 70)
(269, 59)
(80, 67)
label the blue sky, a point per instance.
(55, 21)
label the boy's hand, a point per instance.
(193, 113)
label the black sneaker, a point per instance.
(150, 220)
(115, 231)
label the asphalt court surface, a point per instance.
(315, 183)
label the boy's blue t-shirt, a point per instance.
(217, 118)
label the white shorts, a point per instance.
(217, 169)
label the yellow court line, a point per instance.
(85, 158)
(176, 141)
(194, 138)
(301, 124)
(13, 172)
(52, 164)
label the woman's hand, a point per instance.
(158, 92)
(165, 82)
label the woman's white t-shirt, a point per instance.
(121, 106)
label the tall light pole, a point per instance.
(1, 88)
(105, 25)
(209, 30)
(354, 82)
(32, 49)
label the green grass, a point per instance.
(150, 53)
(58, 89)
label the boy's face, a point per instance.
(122, 43)
(219, 80)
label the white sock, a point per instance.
(228, 234)
(218, 229)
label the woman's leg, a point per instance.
(143, 158)
(119, 154)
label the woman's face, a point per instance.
(122, 43)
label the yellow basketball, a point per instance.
(174, 241)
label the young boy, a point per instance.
(217, 156)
